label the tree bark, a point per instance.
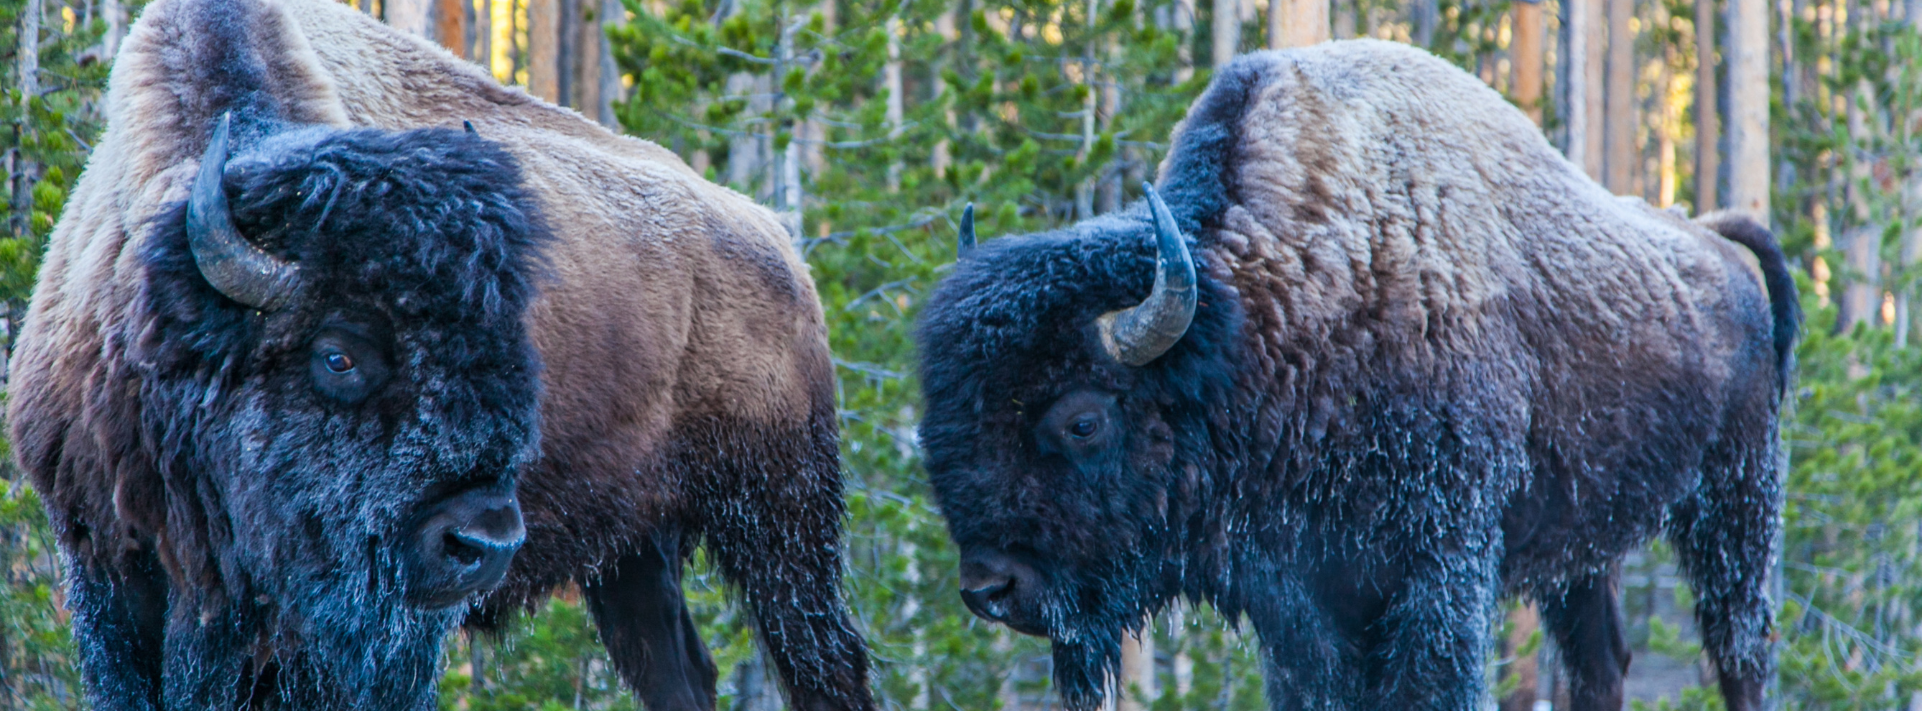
(1527, 52)
(450, 23)
(1297, 23)
(1523, 623)
(543, 49)
(413, 16)
(1620, 100)
(1137, 670)
(1227, 31)
(1708, 115)
(1748, 77)
(1184, 25)
(1585, 52)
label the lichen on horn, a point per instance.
(1139, 334)
(232, 264)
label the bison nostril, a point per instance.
(462, 548)
(989, 598)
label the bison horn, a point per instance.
(469, 126)
(1140, 334)
(233, 265)
(966, 235)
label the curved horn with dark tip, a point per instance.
(1139, 334)
(469, 125)
(233, 265)
(966, 234)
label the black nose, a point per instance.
(461, 546)
(992, 581)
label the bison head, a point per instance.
(338, 391)
(1068, 378)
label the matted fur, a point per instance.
(1432, 364)
(686, 383)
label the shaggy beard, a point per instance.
(1084, 670)
(351, 642)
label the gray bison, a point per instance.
(1380, 358)
(310, 370)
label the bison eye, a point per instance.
(1085, 427)
(347, 364)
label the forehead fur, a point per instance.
(1017, 318)
(436, 215)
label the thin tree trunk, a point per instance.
(1137, 670)
(1619, 142)
(1585, 52)
(1227, 27)
(1184, 23)
(543, 49)
(589, 43)
(1297, 23)
(413, 16)
(1748, 76)
(1862, 298)
(891, 83)
(28, 70)
(450, 25)
(1523, 623)
(1527, 51)
(1423, 14)
(1707, 114)
(944, 26)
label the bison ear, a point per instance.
(966, 234)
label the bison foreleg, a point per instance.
(1310, 667)
(1434, 633)
(118, 618)
(1586, 622)
(644, 622)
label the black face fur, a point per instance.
(1042, 447)
(296, 446)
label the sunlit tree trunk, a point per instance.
(891, 83)
(450, 25)
(1227, 31)
(1523, 623)
(1619, 131)
(1137, 670)
(945, 27)
(543, 49)
(413, 16)
(1297, 23)
(1184, 25)
(1585, 53)
(1708, 115)
(1748, 76)
(1527, 57)
(27, 70)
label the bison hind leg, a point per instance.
(1585, 620)
(644, 623)
(1724, 535)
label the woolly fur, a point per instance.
(569, 312)
(1433, 365)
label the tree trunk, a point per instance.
(1184, 25)
(1620, 101)
(891, 83)
(22, 173)
(1297, 23)
(450, 25)
(1527, 52)
(1227, 26)
(1137, 670)
(1424, 14)
(944, 26)
(1585, 48)
(1708, 115)
(1523, 623)
(1862, 298)
(1748, 78)
(413, 16)
(589, 46)
(543, 49)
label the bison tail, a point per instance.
(1783, 301)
